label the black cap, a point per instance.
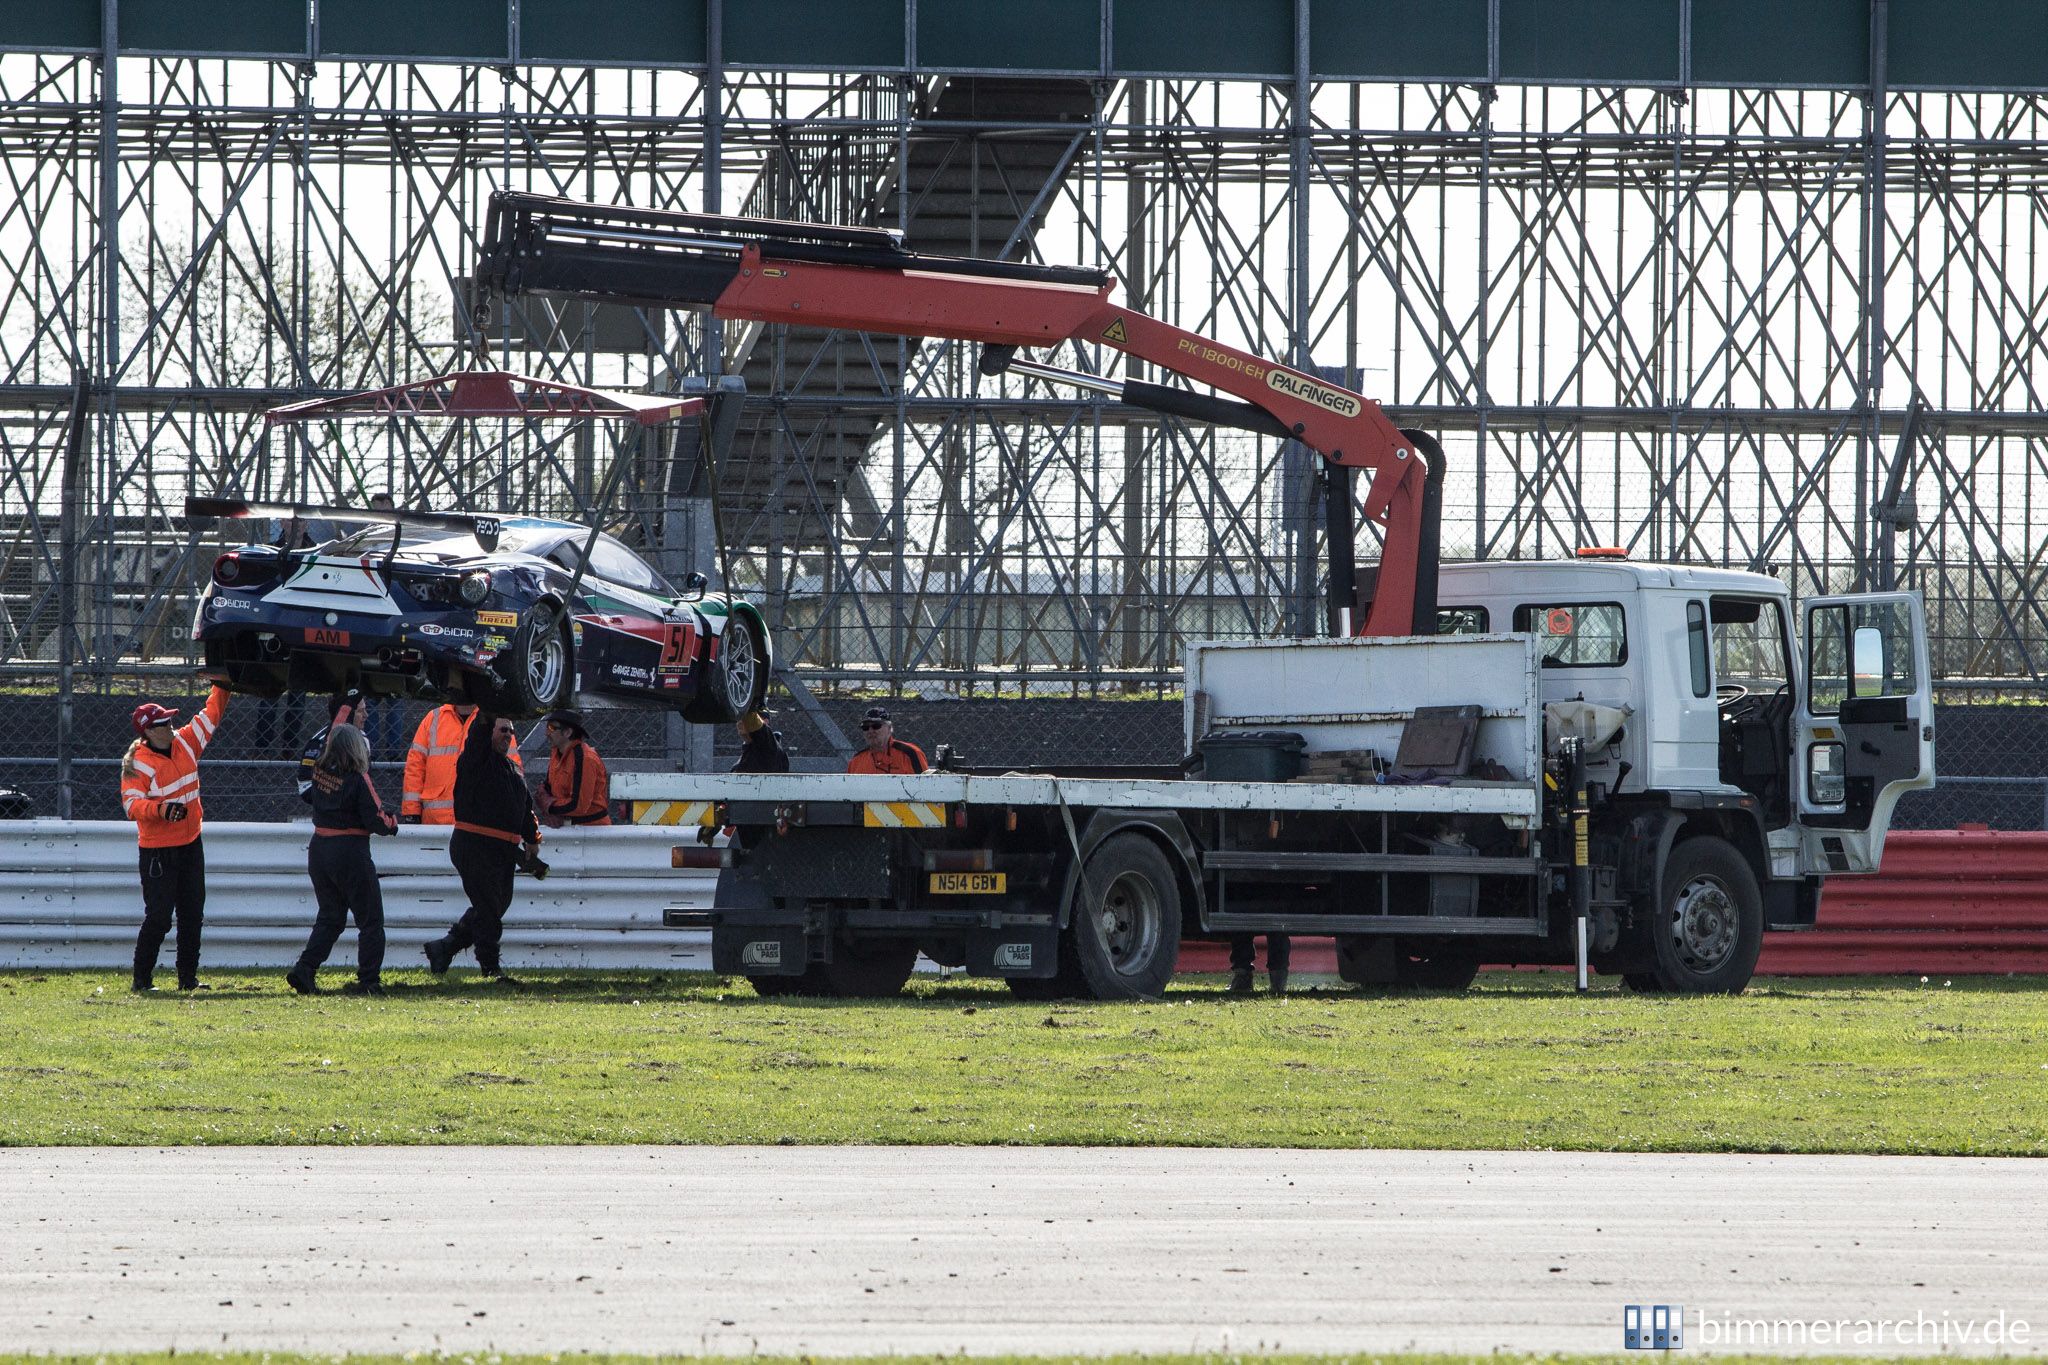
(571, 719)
(875, 716)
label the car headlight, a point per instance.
(475, 588)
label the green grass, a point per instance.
(1519, 1062)
(573, 1358)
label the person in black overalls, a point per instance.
(761, 748)
(761, 751)
(346, 812)
(496, 831)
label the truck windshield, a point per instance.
(1749, 643)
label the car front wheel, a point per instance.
(738, 681)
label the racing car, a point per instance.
(521, 614)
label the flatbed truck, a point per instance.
(1657, 773)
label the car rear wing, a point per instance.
(484, 528)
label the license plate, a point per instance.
(970, 883)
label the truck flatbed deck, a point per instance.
(1516, 803)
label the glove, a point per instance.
(174, 810)
(409, 819)
(389, 822)
(529, 862)
(705, 834)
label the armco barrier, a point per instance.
(1969, 902)
(70, 897)
(1949, 902)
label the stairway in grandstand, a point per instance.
(818, 400)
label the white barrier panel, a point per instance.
(71, 896)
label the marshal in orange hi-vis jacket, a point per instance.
(429, 791)
(160, 791)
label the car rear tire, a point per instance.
(537, 667)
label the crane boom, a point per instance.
(862, 279)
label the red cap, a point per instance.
(149, 713)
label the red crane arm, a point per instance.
(1345, 428)
(861, 279)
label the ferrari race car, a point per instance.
(522, 614)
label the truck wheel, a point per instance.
(1126, 925)
(777, 987)
(1066, 983)
(1708, 925)
(1435, 968)
(867, 968)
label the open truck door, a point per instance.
(1865, 727)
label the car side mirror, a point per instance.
(694, 585)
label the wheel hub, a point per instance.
(739, 665)
(547, 662)
(1130, 922)
(1703, 923)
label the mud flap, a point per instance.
(758, 950)
(1027, 950)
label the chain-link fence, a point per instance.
(1993, 758)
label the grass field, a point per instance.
(1519, 1062)
(494, 1358)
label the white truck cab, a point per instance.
(1715, 696)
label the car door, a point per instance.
(1866, 725)
(642, 634)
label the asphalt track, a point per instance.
(863, 1249)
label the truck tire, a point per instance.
(1066, 983)
(783, 987)
(1707, 926)
(867, 968)
(1126, 924)
(1435, 968)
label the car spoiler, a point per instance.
(484, 528)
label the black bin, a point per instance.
(1260, 756)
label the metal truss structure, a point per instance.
(1794, 330)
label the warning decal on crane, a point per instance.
(1115, 332)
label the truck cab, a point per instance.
(1711, 700)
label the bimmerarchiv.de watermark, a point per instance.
(1668, 1327)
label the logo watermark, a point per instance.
(1662, 1327)
(1652, 1327)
